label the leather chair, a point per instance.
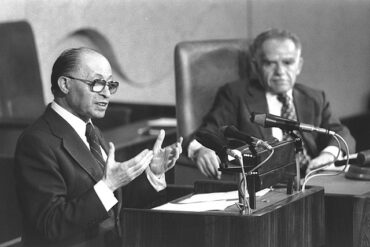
(21, 94)
(201, 67)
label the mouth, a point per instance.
(102, 104)
(279, 80)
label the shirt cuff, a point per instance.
(333, 150)
(193, 147)
(105, 195)
(158, 182)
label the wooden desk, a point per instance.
(347, 210)
(286, 221)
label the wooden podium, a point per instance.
(280, 220)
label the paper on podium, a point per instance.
(206, 201)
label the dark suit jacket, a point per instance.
(236, 101)
(55, 175)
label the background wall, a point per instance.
(142, 35)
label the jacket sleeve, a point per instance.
(331, 122)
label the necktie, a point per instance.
(93, 141)
(288, 112)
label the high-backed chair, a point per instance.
(21, 94)
(201, 67)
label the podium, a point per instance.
(280, 220)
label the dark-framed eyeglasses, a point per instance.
(98, 85)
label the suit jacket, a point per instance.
(55, 174)
(235, 102)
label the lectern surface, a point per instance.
(340, 185)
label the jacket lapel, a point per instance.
(73, 144)
(304, 107)
(256, 102)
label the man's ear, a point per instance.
(254, 68)
(300, 65)
(63, 84)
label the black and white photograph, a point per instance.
(184, 123)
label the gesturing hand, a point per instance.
(164, 158)
(118, 174)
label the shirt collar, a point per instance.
(77, 123)
(274, 95)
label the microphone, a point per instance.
(269, 120)
(361, 159)
(232, 132)
(216, 143)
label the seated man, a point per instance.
(277, 61)
(69, 185)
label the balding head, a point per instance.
(69, 61)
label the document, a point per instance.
(218, 201)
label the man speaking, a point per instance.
(69, 185)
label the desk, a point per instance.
(347, 210)
(291, 221)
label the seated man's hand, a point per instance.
(208, 162)
(164, 158)
(118, 174)
(323, 159)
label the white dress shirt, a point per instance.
(105, 194)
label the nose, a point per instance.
(279, 69)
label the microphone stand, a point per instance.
(298, 149)
(243, 189)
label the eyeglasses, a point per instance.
(98, 85)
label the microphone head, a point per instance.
(363, 158)
(212, 141)
(228, 130)
(259, 119)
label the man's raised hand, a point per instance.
(164, 158)
(118, 174)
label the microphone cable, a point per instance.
(245, 204)
(264, 161)
(240, 159)
(313, 174)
